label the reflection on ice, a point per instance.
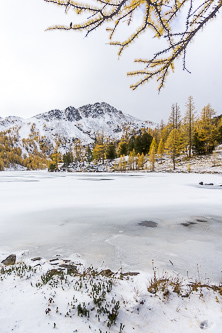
(94, 178)
(148, 224)
(128, 222)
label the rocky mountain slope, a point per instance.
(67, 125)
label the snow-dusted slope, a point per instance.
(82, 123)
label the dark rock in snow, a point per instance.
(10, 260)
(106, 272)
(130, 274)
(36, 259)
(71, 269)
(47, 311)
(204, 324)
(208, 184)
(55, 259)
(72, 114)
(48, 116)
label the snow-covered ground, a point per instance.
(211, 163)
(116, 221)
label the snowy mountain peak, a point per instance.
(70, 124)
(97, 110)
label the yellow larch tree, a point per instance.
(160, 150)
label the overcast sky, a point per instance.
(43, 70)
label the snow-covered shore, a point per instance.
(39, 296)
(211, 163)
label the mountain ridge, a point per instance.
(72, 123)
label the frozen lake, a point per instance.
(115, 219)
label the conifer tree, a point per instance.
(99, 152)
(174, 145)
(136, 160)
(152, 157)
(156, 133)
(207, 130)
(160, 150)
(122, 163)
(115, 166)
(189, 123)
(78, 150)
(88, 154)
(99, 148)
(153, 146)
(56, 158)
(110, 151)
(1, 164)
(68, 158)
(140, 161)
(175, 117)
(219, 129)
(198, 143)
(131, 144)
(162, 125)
(165, 131)
(122, 147)
(130, 162)
(142, 143)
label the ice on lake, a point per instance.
(115, 220)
